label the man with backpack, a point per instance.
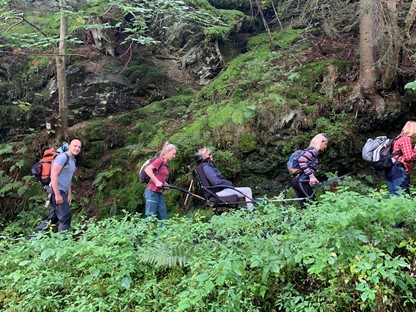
(62, 171)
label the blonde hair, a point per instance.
(204, 152)
(409, 129)
(167, 148)
(317, 140)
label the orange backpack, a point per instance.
(42, 169)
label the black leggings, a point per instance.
(300, 184)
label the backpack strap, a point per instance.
(399, 152)
(67, 160)
(157, 170)
(161, 164)
(66, 163)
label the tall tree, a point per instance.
(60, 59)
(41, 43)
(393, 44)
(369, 10)
(383, 48)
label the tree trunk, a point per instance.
(61, 74)
(394, 43)
(367, 59)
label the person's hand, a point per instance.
(159, 184)
(313, 181)
(58, 199)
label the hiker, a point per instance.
(215, 178)
(398, 176)
(158, 172)
(304, 177)
(62, 171)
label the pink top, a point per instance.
(161, 175)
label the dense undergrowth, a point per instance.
(342, 254)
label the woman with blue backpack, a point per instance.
(302, 166)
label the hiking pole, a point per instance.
(183, 190)
(323, 184)
(289, 199)
(187, 194)
(314, 189)
(331, 181)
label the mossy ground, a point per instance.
(228, 116)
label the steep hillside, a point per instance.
(253, 98)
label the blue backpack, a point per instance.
(293, 164)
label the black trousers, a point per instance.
(61, 213)
(300, 184)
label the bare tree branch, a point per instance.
(277, 16)
(20, 52)
(130, 51)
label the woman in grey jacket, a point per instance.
(215, 178)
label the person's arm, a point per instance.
(69, 194)
(150, 171)
(55, 170)
(304, 163)
(408, 154)
(214, 177)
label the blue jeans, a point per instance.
(397, 178)
(155, 205)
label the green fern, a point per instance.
(102, 178)
(163, 256)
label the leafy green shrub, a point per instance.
(334, 127)
(411, 85)
(117, 190)
(18, 191)
(340, 254)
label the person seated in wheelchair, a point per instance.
(225, 187)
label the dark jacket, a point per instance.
(214, 176)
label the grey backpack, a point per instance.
(378, 153)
